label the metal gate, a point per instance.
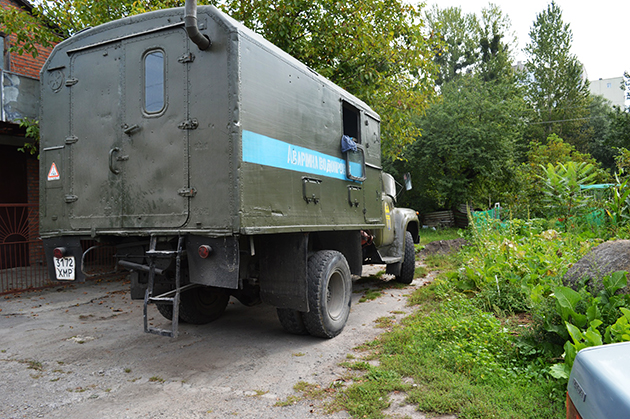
(22, 261)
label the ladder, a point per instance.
(170, 297)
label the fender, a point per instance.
(405, 220)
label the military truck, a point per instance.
(218, 166)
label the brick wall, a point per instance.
(35, 249)
(24, 64)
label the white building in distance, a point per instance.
(611, 89)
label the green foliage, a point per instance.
(618, 207)
(586, 317)
(32, 132)
(460, 361)
(527, 198)
(523, 260)
(471, 43)
(561, 188)
(459, 35)
(555, 87)
(467, 150)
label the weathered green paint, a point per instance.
(244, 157)
(131, 183)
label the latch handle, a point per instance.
(130, 129)
(111, 160)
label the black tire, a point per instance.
(202, 305)
(166, 310)
(329, 294)
(292, 321)
(409, 262)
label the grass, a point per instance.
(376, 287)
(448, 357)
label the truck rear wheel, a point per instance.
(166, 310)
(329, 294)
(409, 262)
(197, 306)
(202, 305)
(292, 321)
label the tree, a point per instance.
(458, 33)
(375, 49)
(471, 44)
(556, 87)
(467, 150)
(599, 144)
(496, 43)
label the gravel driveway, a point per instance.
(81, 353)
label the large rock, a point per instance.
(601, 261)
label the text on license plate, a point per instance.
(64, 268)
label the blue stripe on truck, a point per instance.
(260, 149)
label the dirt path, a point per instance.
(79, 353)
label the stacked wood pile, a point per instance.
(439, 219)
(458, 217)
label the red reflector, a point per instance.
(59, 252)
(204, 251)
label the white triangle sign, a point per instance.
(53, 173)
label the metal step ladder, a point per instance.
(170, 297)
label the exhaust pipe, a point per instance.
(190, 23)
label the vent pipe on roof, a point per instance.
(190, 22)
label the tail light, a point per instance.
(59, 252)
(204, 251)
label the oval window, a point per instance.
(154, 98)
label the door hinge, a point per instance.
(187, 192)
(71, 82)
(189, 124)
(71, 198)
(186, 58)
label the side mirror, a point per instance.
(407, 178)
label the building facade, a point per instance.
(610, 89)
(19, 171)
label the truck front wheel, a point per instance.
(409, 263)
(329, 294)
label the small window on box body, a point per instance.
(154, 75)
(355, 159)
(351, 125)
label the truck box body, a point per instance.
(241, 139)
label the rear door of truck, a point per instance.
(129, 110)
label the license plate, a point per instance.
(65, 268)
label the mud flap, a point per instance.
(283, 266)
(220, 268)
(73, 249)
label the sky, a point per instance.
(600, 29)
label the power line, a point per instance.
(560, 120)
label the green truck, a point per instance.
(218, 166)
